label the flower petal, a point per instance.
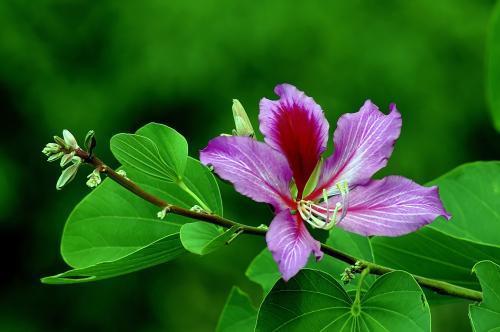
(290, 243)
(255, 169)
(363, 143)
(296, 126)
(392, 206)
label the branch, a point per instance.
(438, 286)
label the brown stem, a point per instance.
(438, 286)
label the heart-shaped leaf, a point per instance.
(315, 301)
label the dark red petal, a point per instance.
(296, 126)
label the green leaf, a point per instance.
(172, 146)
(202, 238)
(238, 314)
(160, 152)
(471, 193)
(264, 271)
(315, 301)
(447, 250)
(111, 224)
(433, 254)
(493, 67)
(158, 252)
(203, 184)
(140, 153)
(486, 315)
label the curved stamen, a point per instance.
(322, 216)
(308, 211)
(344, 192)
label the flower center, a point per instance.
(322, 215)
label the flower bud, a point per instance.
(90, 141)
(70, 140)
(94, 179)
(69, 173)
(241, 121)
(59, 141)
(67, 158)
(56, 156)
(50, 149)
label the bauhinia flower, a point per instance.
(288, 172)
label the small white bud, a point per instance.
(197, 208)
(67, 158)
(122, 173)
(55, 156)
(161, 215)
(69, 139)
(94, 179)
(50, 149)
(68, 174)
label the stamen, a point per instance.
(308, 211)
(344, 192)
(322, 216)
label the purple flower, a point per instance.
(287, 171)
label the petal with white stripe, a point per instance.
(392, 206)
(290, 243)
(363, 143)
(256, 170)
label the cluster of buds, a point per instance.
(350, 272)
(66, 149)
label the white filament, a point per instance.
(324, 217)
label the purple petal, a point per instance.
(255, 169)
(392, 206)
(296, 126)
(363, 142)
(290, 243)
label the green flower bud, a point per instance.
(68, 174)
(161, 214)
(67, 158)
(241, 121)
(90, 141)
(56, 156)
(50, 149)
(94, 179)
(69, 139)
(122, 173)
(59, 141)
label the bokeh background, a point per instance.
(113, 66)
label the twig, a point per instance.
(438, 286)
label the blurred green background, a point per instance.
(113, 66)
